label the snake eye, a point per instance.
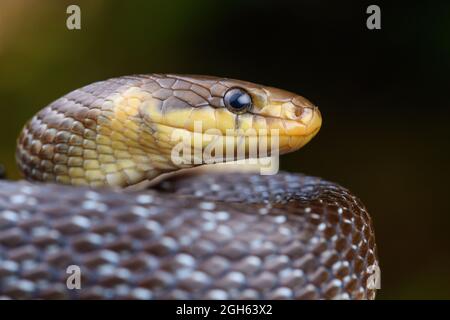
(237, 100)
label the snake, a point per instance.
(104, 194)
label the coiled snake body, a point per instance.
(213, 234)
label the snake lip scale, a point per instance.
(214, 232)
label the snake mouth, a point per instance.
(272, 126)
(252, 144)
(275, 135)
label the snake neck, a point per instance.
(108, 145)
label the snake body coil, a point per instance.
(213, 235)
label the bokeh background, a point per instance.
(384, 94)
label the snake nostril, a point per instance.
(298, 112)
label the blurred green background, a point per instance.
(383, 94)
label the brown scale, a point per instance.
(294, 237)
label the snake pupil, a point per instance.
(237, 100)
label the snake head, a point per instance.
(295, 118)
(238, 116)
(121, 131)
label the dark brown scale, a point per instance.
(174, 241)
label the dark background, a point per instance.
(383, 94)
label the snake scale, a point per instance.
(202, 234)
